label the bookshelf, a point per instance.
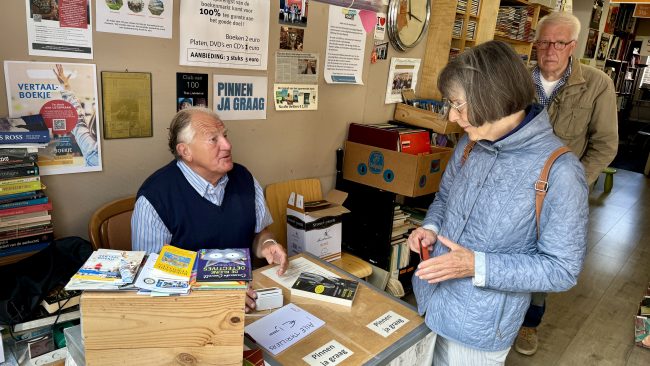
(516, 24)
(466, 25)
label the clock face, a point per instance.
(407, 22)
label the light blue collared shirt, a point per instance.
(149, 233)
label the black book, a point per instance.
(331, 289)
(20, 170)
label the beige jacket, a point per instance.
(584, 116)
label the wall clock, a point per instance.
(408, 21)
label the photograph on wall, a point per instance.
(379, 52)
(216, 33)
(293, 12)
(126, 103)
(296, 67)
(380, 27)
(403, 74)
(239, 97)
(603, 45)
(291, 38)
(611, 19)
(295, 97)
(148, 18)
(346, 44)
(590, 47)
(191, 90)
(59, 28)
(596, 13)
(65, 95)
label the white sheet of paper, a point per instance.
(283, 328)
(296, 267)
(330, 354)
(388, 323)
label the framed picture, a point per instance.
(126, 101)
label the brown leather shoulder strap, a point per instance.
(541, 185)
(466, 151)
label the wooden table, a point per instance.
(412, 344)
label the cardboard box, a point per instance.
(397, 138)
(425, 119)
(316, 227)
(405, 174)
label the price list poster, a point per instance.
(225, 33)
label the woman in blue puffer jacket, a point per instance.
(480, 230)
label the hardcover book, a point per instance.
(224, 265)
(174, 263)
(330, 289)
(26, 129)
(60, 299)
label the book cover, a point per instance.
(107, 265)
(148, 281)
(23, 170)
(174, 262)
(224, 265)
(26, 129)
(330, 289)
(60, 299)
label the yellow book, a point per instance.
(175, 263)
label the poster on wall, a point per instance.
(293, 12)
(403, 74)
(346, 41)
(60, 28)
(295, 97)
(296, 67)
(596, 13)
(152, 18)
(239, 97)
(126, 104)
(191, 90)
(220, 33)
(603, 46)
(66, 96)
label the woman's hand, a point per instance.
(458, 263)
(421, 238)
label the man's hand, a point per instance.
(275, 254)
(251, 295)
(421, 236)
(458, 263)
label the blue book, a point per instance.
(22, 130)
(35, 201)
(24, 249)
(215, 265)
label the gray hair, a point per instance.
(560, 18)
(181, 130)
(495, 81)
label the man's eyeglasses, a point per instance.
(448, 105)
(558, 45)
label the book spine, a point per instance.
(25, 210)
(19, 180)
(28, 220)
(27, 240)
(23, 249)
(18, 172)
(8, 160)
(25, 203)
(28, 195)
(26, 231)
(19, 188)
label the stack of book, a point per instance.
(107, 269)
(167, 273)
(219, 269)
(515, 22)
(25, 220)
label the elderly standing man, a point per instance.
(202, 199)
(581, 103)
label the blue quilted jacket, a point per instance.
(488, 205)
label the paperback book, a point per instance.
(117, 267)
(224, 265)
(26, 129)
(330, 289)
(174, 263)
(147, 280)
(60, 299)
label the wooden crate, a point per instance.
(423, 118)
(203, 328)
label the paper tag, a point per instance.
(387, 324)
(330, 354)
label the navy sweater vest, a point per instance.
(196, 223)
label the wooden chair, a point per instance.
(110, 225)
(277, 195)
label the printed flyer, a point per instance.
(225, 33)
(152, 18)
(66, 96)
(346, 42)
(240, 97)
(191, 90)
(60, 28)
(403, 74)
(295, 97)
